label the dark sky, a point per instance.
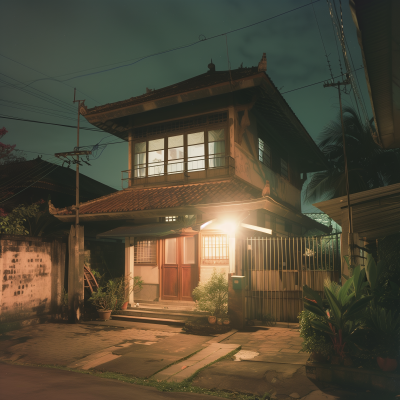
(46, 47)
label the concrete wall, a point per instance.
(32, 273)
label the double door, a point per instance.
(179, 272)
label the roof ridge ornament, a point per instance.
(262, 65)
(211, 66)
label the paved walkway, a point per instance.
(269, 359)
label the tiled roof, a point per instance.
(140, 199)
(208, 79)
(42, 174)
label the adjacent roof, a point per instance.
(45, 175)
(167, 197)
(376, 212)
(378, 31)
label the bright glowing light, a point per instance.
(229, 226)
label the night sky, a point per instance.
(49, 47)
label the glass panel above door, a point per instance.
(188, 250)
(170, 251)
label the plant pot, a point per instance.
(124, 306)
(386, 364)
(219, 321)
(318, 357)
(104, 315)
(226, 321)
(212, 319)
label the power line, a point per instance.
(202, 38)
(26, 66)
(48, 123)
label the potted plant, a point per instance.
(385, 328)
(212, 296)
(124, 287)
(104, 299)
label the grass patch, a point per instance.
(185, 386)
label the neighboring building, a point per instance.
(27, 182)
(212, 160)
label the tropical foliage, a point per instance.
(369, 166)
(212, 296)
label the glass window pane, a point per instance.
(196, 150)
(175, 141)
(188, 250)
(216, 148)
(175, 154)
(170, 251)
(156, 156)
(195, 138)
(157, 144)
(214, 136)
(140, 147)
(139, 170)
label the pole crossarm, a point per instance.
(73, 153)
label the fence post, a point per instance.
(236, 303)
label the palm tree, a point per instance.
(369, 166)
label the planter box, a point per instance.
(358, 377)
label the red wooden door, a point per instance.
(179, 268)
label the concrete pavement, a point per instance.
(268, 361)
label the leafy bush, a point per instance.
(212, 296)
(314, 341)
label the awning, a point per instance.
(160, 229)
(376, 212)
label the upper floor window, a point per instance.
(171, 218)
(175, 154)
(264, 153)
(284, 168)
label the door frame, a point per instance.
(194, 268)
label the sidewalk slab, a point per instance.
(185, 369)
(144, 361)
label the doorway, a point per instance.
(179, 268)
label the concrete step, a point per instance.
(166, 310)
(160, 314)
(164, 321)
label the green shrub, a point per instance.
(314, 341)
(212, 296)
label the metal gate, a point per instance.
(276, 269)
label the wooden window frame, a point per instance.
(185, 133)
(152, 242)
(224, 260)
(265, 155)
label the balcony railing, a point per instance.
(194, 168)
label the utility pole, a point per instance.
(77, 167)
(338, 84)
(76, 239)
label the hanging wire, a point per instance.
(323, 44)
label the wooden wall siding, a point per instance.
(277, 269)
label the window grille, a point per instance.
(284, 169)
(171, 218)
(145, 251)
(264, 153)
(179, 125)
(215, 248)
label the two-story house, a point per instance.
(212, 159)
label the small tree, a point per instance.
(212, 296)
(7, 151)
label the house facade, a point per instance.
(212, 160)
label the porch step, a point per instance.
(147, 319)
(167, 310)
(163, 314)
